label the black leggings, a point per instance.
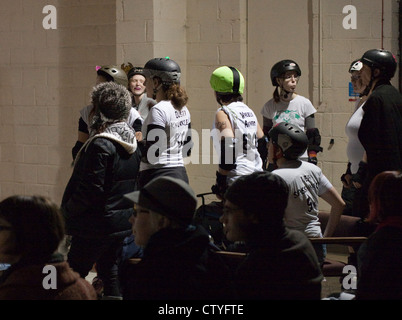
(147, 175)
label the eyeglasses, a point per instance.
(5, 228)
(138, 210)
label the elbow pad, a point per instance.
(228, 154)
(314, 140)
(262, 148)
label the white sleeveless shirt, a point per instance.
(244, 123)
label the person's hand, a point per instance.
(360, 175)
(346, 179)
(219, 188)
(313, 160)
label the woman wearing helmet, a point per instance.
(288, 106)
(136, 85)
(107, 73)
(236, 133)
(380, 130)
(354, 150)
(167, 128)
(307, 183)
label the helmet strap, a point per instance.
(236, 80)
(286, 93)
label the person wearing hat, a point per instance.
(105, 168)
(178, 261)
(167, 128)
(136, 84)
(354, 149)
(380, 130)
(288, 106)
(107, 73)
(281, 263)
(237, 136)
(307, 183)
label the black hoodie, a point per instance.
(178, 264)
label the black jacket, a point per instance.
(93, 203)
(380, 133)
(283, 267)
(380, 130)
(178, 264)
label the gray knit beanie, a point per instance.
(112, 103)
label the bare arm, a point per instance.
(337, 205)
(260, 133)
(223, 124)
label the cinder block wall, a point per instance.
(46, 75)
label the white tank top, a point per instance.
(244, 123)
(354, 149)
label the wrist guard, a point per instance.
(228, 154)
(361, 174)
(221, 185)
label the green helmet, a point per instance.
(227, 80)
(114, 73)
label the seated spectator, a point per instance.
(178, 260)
(281, 263)
(379, 258)
(31, 229)
(307, 184)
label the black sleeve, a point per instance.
(137, 125)
(82, 126)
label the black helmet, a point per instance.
(113, 73)
(281, 67)
(381, 59)
(135, 70)
(290, 138)
(165, 68)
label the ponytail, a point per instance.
(177, 95)
(276, 95)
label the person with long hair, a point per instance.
(167, 129)
(379, 257)
(288, 106)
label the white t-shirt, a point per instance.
(306, 183)
(244, 123)
(172, 137)
(295, 111)
(354, 149)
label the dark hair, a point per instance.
(384, 196)
(37, 223)
(177, 95)
(228, 97)
(261, 194)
